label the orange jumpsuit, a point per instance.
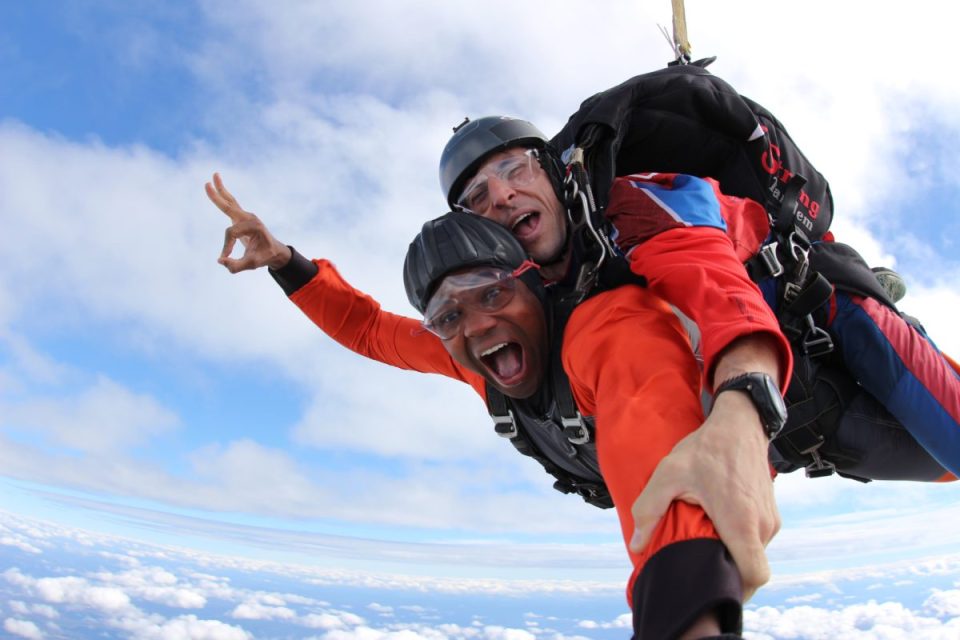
(630, 366)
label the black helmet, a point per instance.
(474, 140)
(458, 240)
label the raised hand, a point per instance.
(260, 247)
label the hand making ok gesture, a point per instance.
(260, 247)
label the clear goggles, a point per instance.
(516, 171)
(484, 290)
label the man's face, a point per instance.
(531, 211)
(492, 324)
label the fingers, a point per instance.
(236, 265)
(222, 190)
(243, 231)
(664, 487)
(746, 527)
(751, 559)
(224, 200)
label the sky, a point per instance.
(184, 455)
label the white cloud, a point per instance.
(331, 620)
(623, 621)
(154, 584)
(556, 560)
(106, 417)
(259, 611)
(856, 622)
(15, 541)
(382, 609)
(22, 628)
(70, 590)
(944, 603)
(22, 608)
(188, 626)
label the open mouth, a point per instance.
(505, 362)
(526, 225)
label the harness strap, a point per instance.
(785, 219)
(787, 257)
(817, 397)
(575, 428)
(507, 426)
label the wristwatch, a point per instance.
(765, 394)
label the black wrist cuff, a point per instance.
(683, 581)
(296, 273)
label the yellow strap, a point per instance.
(680, 41)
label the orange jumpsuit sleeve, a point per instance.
(630, 365)
(356, 321)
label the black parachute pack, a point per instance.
(683, 119)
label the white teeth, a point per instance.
(521, 219)
(493, 349)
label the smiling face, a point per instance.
(532, 211)
(508, 345)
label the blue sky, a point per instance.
(169, 420)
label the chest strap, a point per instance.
(801, 289)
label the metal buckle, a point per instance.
(768, 256)
(800, 250)
(575, 430)
(819, 468)
(790, 292)
(799, 247)
(816, 341)
(505, 426)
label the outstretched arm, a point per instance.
(347, 315)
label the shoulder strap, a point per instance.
(575, 428)
(508, 425)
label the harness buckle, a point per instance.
(575, 430)
(505, 425)
(768, 258)
(791, 290)
(799, 248)
(819, 468)
(816, 341)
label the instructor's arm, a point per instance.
(723, 467)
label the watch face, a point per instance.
(765, 394)
(776, 402)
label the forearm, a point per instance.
(356, 321)
(760, 352)
(696, 270)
